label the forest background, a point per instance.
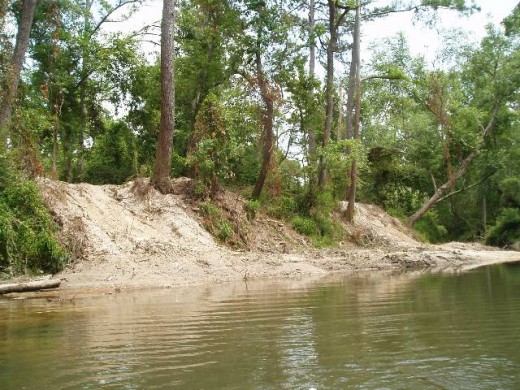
(272, 99)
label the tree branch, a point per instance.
(384, 77)
(415, 8)
(346, 10)
(104, 19)
(464, 188)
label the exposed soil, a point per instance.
(131, 236)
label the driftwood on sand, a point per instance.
(29, 286)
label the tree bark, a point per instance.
(356, 60)
(335, 20)
(312, 73)
(329, 91)
(13, 74)
(3, 13)
(83, 89)
(267, 118)
(56, 110)
(29, 286)
(55, 96)
(268, 137)
(161, 174)
(307, 114)
(484, 214)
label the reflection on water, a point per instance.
(363, 331)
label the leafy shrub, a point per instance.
(213, 149)
(217, 225)
(283, 207)
(401, 198)
(209, 209)
(200, 191)
(430, 229)
(225, 230)
(328, 227)
(251, 208)
(511, 189)
(180, 165)
(339, 156)
(27, 241)
(506, 230)
(305, 226)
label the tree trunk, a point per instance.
(83, 114)
(356, 60)
(351, 96)
(307, 125)
(29, 286)
(3, 13)
(351, 196)
(268, 138)
(329, 91)
(267, 122)
(56, 108)
(55, 91)
(312, 73)
(442, 189)
(13, 74)
(484, 214)
(161, 174)
(339, 127)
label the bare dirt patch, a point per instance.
(132, 236)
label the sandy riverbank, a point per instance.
(123, 237)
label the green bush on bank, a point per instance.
(315, 222)
(506, 230)
(27, 241)
(215, 223)
(430, 229)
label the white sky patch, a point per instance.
(427, 41)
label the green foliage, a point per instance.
(208, 209)
(430, 229)
(251, 208)
(323, 229)
(512, 22)
(339, 156)
(390, 183)
(506, 230)
(225, 230)
(283, 207)
(213, 151)
(27, 241)
(113, 158)
(330, 231)
(317, 222)
(180, 165)
(305, 225)
(215, 222)
(401, 197)
(510, 187)
(77, 70)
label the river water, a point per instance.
(363, 331)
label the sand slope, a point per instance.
(127, 236)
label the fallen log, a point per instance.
(29, 286)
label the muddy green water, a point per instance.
(361, 332)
